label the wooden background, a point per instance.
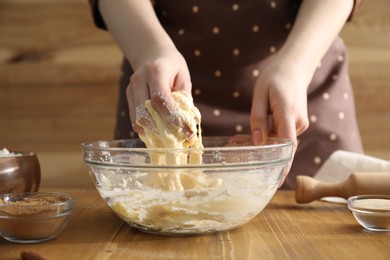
(59, 75)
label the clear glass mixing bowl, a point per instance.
(187, 191)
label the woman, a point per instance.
(258, 67)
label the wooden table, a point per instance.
(284, 230)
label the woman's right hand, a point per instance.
(158, 67)
(157, 73)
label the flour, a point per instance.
(5, 153)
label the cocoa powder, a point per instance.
(23, 207)
(33, 219)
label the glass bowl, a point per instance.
(187, 191)
(34, 217)
(371, 211)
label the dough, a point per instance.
(173, 199)
(166, 136)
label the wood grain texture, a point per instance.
(368, 40)
(59, 75)
(284, 230)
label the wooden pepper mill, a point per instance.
(308, 189)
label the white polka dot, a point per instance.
(255, 73)
(273, 4)
(217, 73)
(181, 32)
(197, 53)
(325, 96)
(313, 118)
(235, 7)
(197, 91)
(216, 112)
(346, 95)
(288, 26)
(333, 136)
(238, 128)
(255, 28)
(272, 49)
(236, 52)
(335, 77)
(236, 94)
(195, 9)
(340, 58)
(341, 115)
(123, 113)
(317, 160)
(215, 29)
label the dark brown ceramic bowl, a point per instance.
(19, 173)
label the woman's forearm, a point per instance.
(135, 27)
(316, 27)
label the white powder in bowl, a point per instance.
(374, 204)
(5, 153)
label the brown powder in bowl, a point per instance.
(34, 219)
(36, 201)
(28, 206)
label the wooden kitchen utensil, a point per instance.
(308, 189)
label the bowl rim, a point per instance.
(368, 210)
(71, 201)
(93, 146)
(284, 142)
(18, 154)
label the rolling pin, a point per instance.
(308, 189)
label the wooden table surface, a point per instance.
(284, 230)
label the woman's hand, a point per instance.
(279, 106)
(281, 88)
(158, 67)
(160, 72)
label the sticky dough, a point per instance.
(167, 136)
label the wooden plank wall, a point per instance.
(59, 74)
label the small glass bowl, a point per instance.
(371, 211)
(34, 217)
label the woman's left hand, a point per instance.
(279, 105)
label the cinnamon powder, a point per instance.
(32, 219)
(24, 207)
